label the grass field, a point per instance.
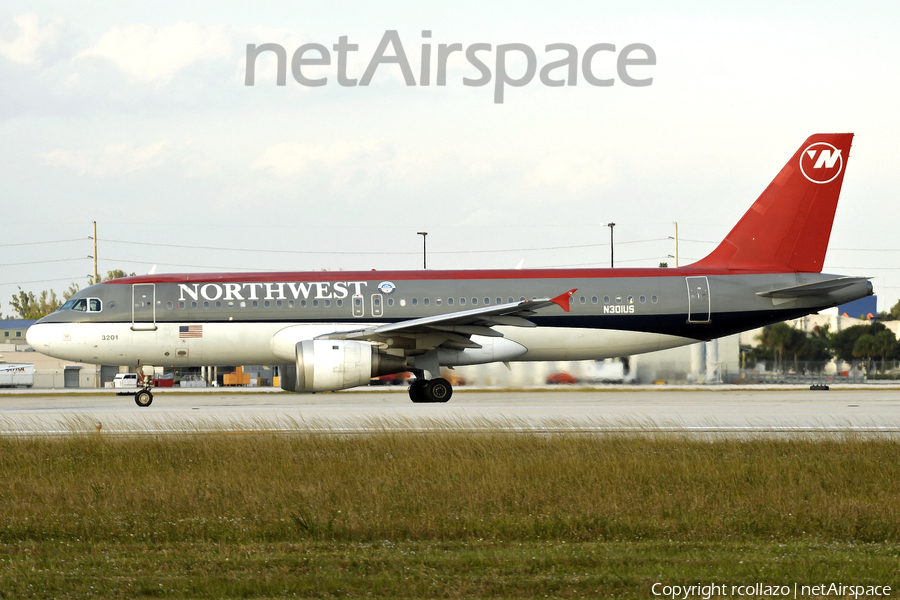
(441, 515)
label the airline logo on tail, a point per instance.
(821, 162)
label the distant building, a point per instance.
(864, 308)
(12, 331)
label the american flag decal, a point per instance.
(190, 331)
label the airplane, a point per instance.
(335, 330)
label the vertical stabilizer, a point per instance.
(788, 227)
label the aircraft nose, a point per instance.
(38, 336)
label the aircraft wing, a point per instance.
(453, 329)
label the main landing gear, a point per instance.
(430, 390)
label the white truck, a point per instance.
(16, 375)
(125, 383)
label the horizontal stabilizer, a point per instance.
(818, 288)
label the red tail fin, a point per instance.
(788, 227)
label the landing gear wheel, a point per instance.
(143, 398)
(417, 390)
(438, 390)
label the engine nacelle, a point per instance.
(328, 365)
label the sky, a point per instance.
(137, 116)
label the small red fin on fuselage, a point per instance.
(563, 299)
(788, 227)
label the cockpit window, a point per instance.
(83, 304)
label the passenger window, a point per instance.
(462, 301)
(194, 304)
(327, 303)
(206, 305)
(427, 301)
(415, 301)
(654, 299)
(315, 303)
(169, 305)
(605, 299)
(290, 304)
(449, 301)
(630, 299)
(341, 302)
(218, 304)
(643, 299)
(593, 299)
(437, 301)
(255, 304)
(303, 304)
(581, 300)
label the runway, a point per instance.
(712, 410)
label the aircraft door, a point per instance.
(377, 301)
(358, 305)
(143, 307)
(698, 300)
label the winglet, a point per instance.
(563, 299)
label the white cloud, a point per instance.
(289, 159)
(33, 37)
(155, 54)
(114, 159)
(572, 173)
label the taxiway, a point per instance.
(745, 410)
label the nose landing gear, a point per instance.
(143, 398)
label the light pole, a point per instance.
(611, 256)
(676, 244)
(424, 254)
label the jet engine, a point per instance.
(328, 365)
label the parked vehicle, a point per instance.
(16, 375)
(561, 378)
(392, 379)
(192, 380)
(127, 382)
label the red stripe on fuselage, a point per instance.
(455, 275)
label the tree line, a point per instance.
(786, 346)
